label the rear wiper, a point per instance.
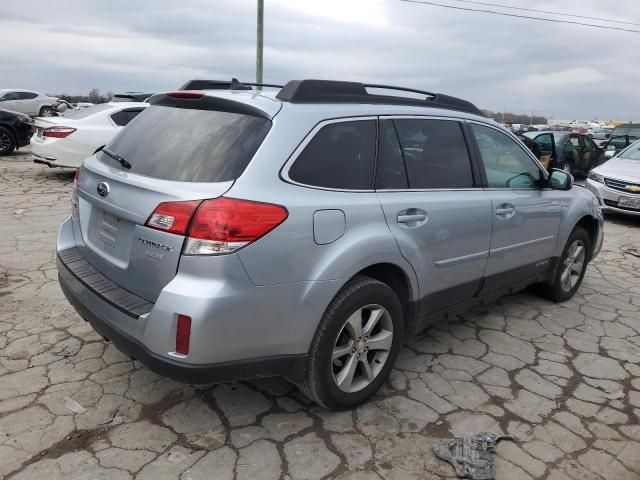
(121, 160)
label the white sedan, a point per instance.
(67, 141)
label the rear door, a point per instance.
(29, 102)
(11, 101)
(526, 217)
(438, 215)
(176, 154)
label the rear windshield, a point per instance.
(188, 145)
(87, 112)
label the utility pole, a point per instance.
(259, 43)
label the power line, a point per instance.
(493, 12)
(545, 11)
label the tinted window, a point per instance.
(435, 154)
(506, 164)
(11, 96)
(544, 142)
(634, 131)
(574, 141)
(617, 143)
(390, 173)
(340, 155)
(189, 145)
(123, 117)
(27, 95)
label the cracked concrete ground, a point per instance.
(563, 379)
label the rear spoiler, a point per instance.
(207, 102)
(234, 84)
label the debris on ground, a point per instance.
(74, 406)
(471, 456)
(632, 251)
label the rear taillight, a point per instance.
(76, 179)
(183, 334)
(218, 226)
(58, 132)
(224, 225)
(173, 217)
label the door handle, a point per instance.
(416, 217)
(505, 211)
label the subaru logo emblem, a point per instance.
(103, 189)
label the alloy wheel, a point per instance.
(573, 265)
(5, 142)
(362, 348)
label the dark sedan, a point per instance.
(573, 152)
(15, 131)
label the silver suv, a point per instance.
(304, 232)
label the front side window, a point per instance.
(506, 163)
(341, 155)
(544, 142)
(435, 153)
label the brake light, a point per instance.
(224, 225)
(76, 179)
(74, 195)
(58, 132)
(186, 94)
(173, 217)
(183, 334)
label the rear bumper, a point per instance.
(82, 298)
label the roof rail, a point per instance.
(234, 84)
(330, 91)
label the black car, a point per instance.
(573, 152)
(15, 131)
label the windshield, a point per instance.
(87, 112)
(188, 145)
(631, 153)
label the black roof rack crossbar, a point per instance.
(234, 84)
(330, 91)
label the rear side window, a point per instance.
(27, 95)
(123, 117)
(341, 155)
(189, 145)
(435, 153)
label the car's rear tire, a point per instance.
(7, 142)
(355, 345)
(46, 112)
(571, 268)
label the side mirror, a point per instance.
(560, 180)
(609, 153)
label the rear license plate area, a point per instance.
(628, 202)
(108, 229)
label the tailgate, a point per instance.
(116, 242)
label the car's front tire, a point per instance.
(7, 142)
(355, 345)
(571, 268)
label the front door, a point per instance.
(526, 217)
(439, 217)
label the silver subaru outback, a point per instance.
(305, 231)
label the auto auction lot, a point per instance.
(563, 380)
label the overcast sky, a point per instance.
(557, 70)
